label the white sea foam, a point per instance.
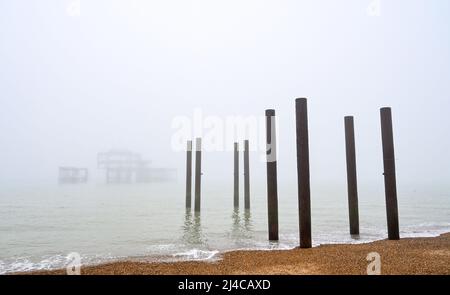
(23, 264)
(196, 254)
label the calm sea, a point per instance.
(41, 225)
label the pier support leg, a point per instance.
(390, 184)
(189, 174)
(303, 181)
(236, 175)
(272, 187)
(198, 173)
(246, 175)
(352, 187)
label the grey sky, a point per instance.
(116, 75)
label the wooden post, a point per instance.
(352, 187)
(198, 172)
(389, 174)
(188, 174)
(236, 175)
(272, 190)
(304, 198)
(246, 175)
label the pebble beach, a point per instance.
(409, 256)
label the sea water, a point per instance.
(41, 225)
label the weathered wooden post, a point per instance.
(352, 187)
(198, 173)
(188, 174)
(236, 175)
(246, 175)
(303, 181)
(272, 190)
(389, 174)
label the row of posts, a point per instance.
(198, 174)
(303, 174)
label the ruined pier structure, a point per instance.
(122, 166)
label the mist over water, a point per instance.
(79, 78)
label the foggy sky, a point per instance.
(116, 75)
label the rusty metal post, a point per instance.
(352, 187)
(303, 177)
(189, 174)
(390, 184)
(236, 175)
(198, 173)
(246, 175)
(272, 188)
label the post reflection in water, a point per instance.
(241, 229)
(192, 230)
(236, 226)
(248, 220)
